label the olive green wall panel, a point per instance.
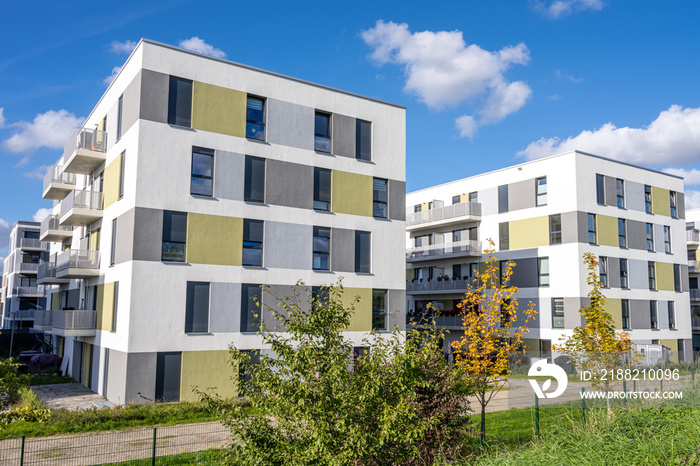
(351, 193)
(112, 178)
(529, 233)
(660, 201)
(361, 320)
(607, 230)
(213, 239)
(218, 109)
(105, 306)
(204, 370)
(664, 276)
(614, 308)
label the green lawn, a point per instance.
(203, 458)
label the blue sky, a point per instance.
(486, 84)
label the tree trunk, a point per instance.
(483, 424)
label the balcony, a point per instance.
(74, 323)
(81, 208)
(77, 263)
(85, 150)
(445, 284)
(444, 251)
(28, 291)
(25, 314)
(692, 238)
(27, 268)
(443, 216)
(453, 322)
(52, 231)
(46, 274)
(31, 244)
(695, 322)
(693, 266)
(43, 320)
(58, 184)
(694, 294)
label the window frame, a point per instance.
(673, 201)
(318, 233)
(378, 314)
(115, 307)
(251, 244)
(171, 214)
(542, 276)
(378, 202)
(622, 233)
(503, 239)
(649, 232)
(249, 121)
(677, 287)
(248, 179)
(603, 271)
(113, 246)
(121, 174)
(503, 199)
(651, 274)
(202, 151)
(248, 307)
(648, 208)
(172, 116)
(359, 131)
(625, 312)
(120, 116)
(555, 316)
(540, 197)
(319, 204)
(458, 200)
(319, 136)
(191, 310)
(654, 315)
(555, 236)
(620, 192)
(591, 220)
(624, 274)
(672, 315)
(475, 197)
(667, 239)
(359, 234)
(600, 189)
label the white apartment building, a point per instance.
(544, 215)
(693, 241)
(196, 180)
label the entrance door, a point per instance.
(168, 376)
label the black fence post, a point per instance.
(21, 458)
(153, 459)
(583, 404)
(537, 415)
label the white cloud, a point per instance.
(467, 126)
(41, 214)
(51, 129)
(692, 199)
(5, 228)
(561, 8)
(443, 71)
(690, 177)
(120, 48)
(195, 44)
(673, 138)
(115, 71)
(559, 74)
(553, 97)
(38, 173)
(2, 117)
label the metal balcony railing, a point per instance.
(54, 175)
(43, 318)
(89, 139)
(82, 199)
(46, 270)
(444, 284)
(78, 259)
(27, 291)
(51, 223)
(24, 314)
(453, 320)
(694, 294)
(695, 322)
(24, 267)
(74, 320)
(449, 212)
(31, 243)
(436, 251)
(692, 266)
(692, 236)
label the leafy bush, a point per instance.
(24, 413)
(315, 401)
(10, 381)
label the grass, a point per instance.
(204, 458)
(48, 379)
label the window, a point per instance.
(321, 248)
(202, 181)
(197, 308)
(174, 236)
(647, 198)
(541, 194)
(674, 212)
(417, 208)
(114, 242)
(254, 189)
(322, 189)
(555, 229)
(115, 306)
(379, 206)
(620, 185)
(503, 198)
(557, 312)
(651, 269)
(503, 233)
(322, 132)
(622, 232)
(623, 274)
(363, 242)
(667, 239)
(625, 304)
(122, 175)
(252, 242)
(543, 271)
(255, 118)
(474, 197)
(379, 310)
(600, 189)
(363, 140)
(250, 313)
(654, 315)
(671, 315)
(456, 199)
(502, 268)
(603, 271)
(120, 113)
(677, 278)
(473, 269)
(591, 229)
(650, 237)
(180, 102)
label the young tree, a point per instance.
(491, 336)
(314, 400)
(597, 346)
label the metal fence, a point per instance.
(114, 447)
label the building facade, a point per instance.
(693, 241)
(544, 215)
(193, 182)
(21, 295)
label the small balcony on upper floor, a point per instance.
(74, 323)
(443, 216)
(81, 208)
(695, 294)
(24, 314)
(32, 244)
(43, 320)
(693, 266)
(441, 285)
(77, 263)
(28, 291)
(53, 231)
(457, 249)
(692, 238)
(85, 150)
(46, 274)
(58, 184)
(27, 268)
(695, 323)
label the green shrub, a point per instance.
(10, 381)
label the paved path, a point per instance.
(71, 396)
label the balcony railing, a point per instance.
(461, 285)
(692, 237)
(84, 151)
(28, 291)
(27, 267)
(443, 321)
(58, 183)
(81, 208)
(695, 322)
(43, 319)
(74, 322)
(445, 250)
(463, 211)
(31, 243)
(692, 266)
(88, 139)
(78, 263)
(52, 230)
(24, 314)
(694, 294)
(47, 273)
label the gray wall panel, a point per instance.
(343, 134)
(634, 196)
(148, 234)
(289, 184)
(77, 364)
(659, 238)
(640, 316)
(116, 376)
(663, 314)
(290, 124)
(572, 317)
(124, 249)
(131, 104)
(397, 200)
(224, 307)
(525, 273)
(521, 195)
(638, 274)
(614, 272)
(154, 96)
(342, 250)
(610, 191)
(489, 201)
(636, 235)
(140, 377)
(680, 205)
(533, 324)
(229, 166)
(278, 297)
(569, 227)
(684, 278)
(582, 227)
(95, 368)
(288, 245)
(396, 307)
